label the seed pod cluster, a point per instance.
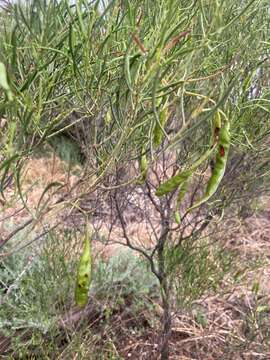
(221, 142)
(84, 273)
(220, 165)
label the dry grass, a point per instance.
(230, 325)
(36, 175)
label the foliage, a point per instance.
(30, 291)
(198, 270)
(132, 89)
(32, 302)
(105, 75)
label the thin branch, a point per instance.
(128, 242)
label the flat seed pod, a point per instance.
(173, 183)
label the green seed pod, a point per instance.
(224, 138)
(173, 183)
(220, 165)
(84, 274)
(143, 164)
(217, 120)
(182, 192)
(178, 179)
(180, 197)
(158, 130)
(177, 217)
(216, 127)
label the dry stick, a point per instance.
(153, 201)
(151, 224)
(128, 242)
(91, 311)
(195, 233)
(165, 292)
(136, 39)
(154, 230)
(12, 215)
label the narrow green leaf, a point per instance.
(4, 82)
(47, 188)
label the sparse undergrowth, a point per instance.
(121, 321)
